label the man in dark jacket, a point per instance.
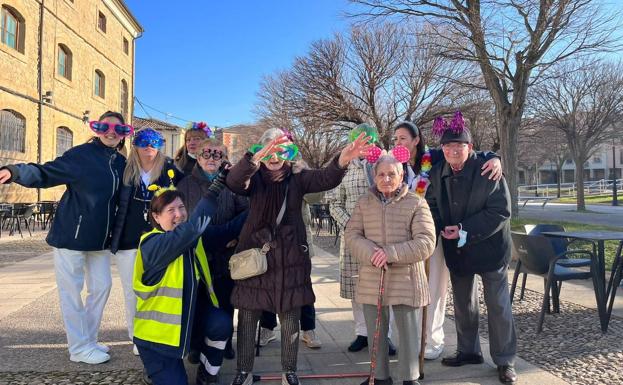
(472, 214)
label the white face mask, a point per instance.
(191, 155)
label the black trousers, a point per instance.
(308, 319)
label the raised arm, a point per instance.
(62, 170)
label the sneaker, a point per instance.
(432, 353)
(135, 350)
(358, 344)
(391, 348)
(93, 356)
(205, 378)
(266, 336)
(289, 378)
(102, 348)
(242, 378)
(311, 340)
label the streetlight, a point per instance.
(615, 201)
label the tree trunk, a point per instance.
(509, 124)
(579, 182)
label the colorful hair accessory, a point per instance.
(148, 137)
(200, 126)
(400, 153)
(287, 134)
(369, 131)
(121, 130)
(456, 125)
(158, 190)
(288, 151)
(374, 153)
(422, 181)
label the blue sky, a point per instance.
(204, 60)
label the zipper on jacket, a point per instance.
(190, 305)
(78, 227)
(112, 194)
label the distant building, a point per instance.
(86, 51)
(237, 139)
(171, 133)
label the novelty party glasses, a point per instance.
(209, 153)
(121, 130)
(148, 137)
(287, 151)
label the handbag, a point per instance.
(252, 262)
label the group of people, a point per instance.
(172, 226)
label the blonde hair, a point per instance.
(132, 173)
(181, 156)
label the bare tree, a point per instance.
(584, 101)
(511, 41)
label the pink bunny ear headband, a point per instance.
(401, 153)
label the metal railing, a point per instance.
(550, 190)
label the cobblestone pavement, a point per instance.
(16, 249)
(571, 345)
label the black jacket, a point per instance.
(86, 212)
(486, 217)
(130, 222)
(159, 250)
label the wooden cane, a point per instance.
(377, 332)
(424, 315)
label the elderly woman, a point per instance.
(271, 182)
(392, 228)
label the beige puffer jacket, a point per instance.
(404, 228)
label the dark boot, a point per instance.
(229, 352)
(358, 344)
(460, 359)
(507, 374)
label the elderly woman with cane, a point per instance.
(391, 232)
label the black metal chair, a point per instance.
(21, 213)
(324, 215)
(537, 256)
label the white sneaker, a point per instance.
(266, 335)
(102, 348)
(311, 340)
(93, 356)
(433, 352)
(135, 350)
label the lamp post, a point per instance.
(615, 201)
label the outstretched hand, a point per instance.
(5, 175)
(493, 166)
(271, 148)
(359, 147)
(202, 224)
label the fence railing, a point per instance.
(550, 190)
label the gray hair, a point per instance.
(389, 160)
(269, 135)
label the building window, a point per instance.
(12, 131)
(101, 22)
(12, 28)
(126, 46)
(569, 161)
(124, 99)
(64, 61)
(64, 140)
(621, 156)
(597, 159)
(99, 84)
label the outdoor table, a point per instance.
(602, 295)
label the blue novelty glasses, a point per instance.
(148, 137)
(121, 130)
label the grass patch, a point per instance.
(517, 224)
(605, 199)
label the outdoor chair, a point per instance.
(560, 245)
(22, 213)
(323, 215)
(537, 256)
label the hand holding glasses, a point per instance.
(102, 128)
(287, 151)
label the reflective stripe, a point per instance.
(161, 292)
(160, 317)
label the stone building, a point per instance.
(171, 133)
(62, 63)
(237, 139)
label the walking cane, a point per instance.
(424, 315)
(377, 332)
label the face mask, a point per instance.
(462, 237)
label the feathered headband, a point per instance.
(200, 126)
(454, 131)
(158, 190)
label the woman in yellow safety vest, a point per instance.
(174, 290)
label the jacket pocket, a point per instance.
(78, 227)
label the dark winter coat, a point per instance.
(483, 208)
(85, 215)
(130, 221)
(287, 283)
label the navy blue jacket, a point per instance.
(130, 221)
(86, 212)
(159, 250)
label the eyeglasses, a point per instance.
(454, 146)
(121, 130)
(288, 151)
(209, 153)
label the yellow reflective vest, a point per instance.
(159, 307)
